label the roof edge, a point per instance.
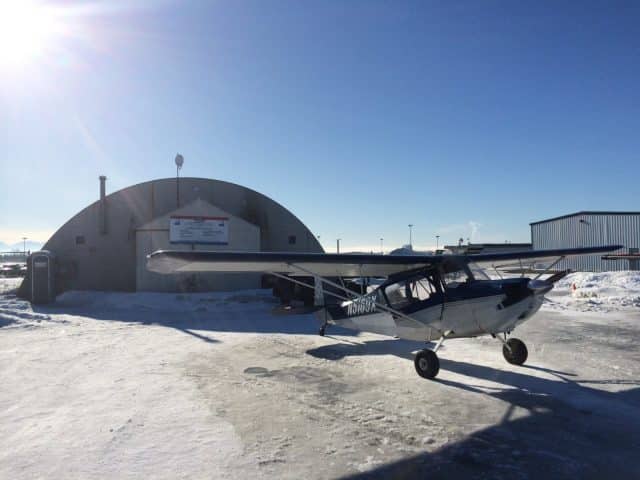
(584, 212)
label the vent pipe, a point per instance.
(103, 206)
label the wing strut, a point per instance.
(550, 267)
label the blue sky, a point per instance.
(467, 119)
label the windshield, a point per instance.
(455, 279)
(478, 272)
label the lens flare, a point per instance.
(28, 30)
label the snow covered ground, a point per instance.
(114, 385)
(599, 292)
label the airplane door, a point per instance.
(458, 308)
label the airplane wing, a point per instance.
(295, 264)
(525, 257)
(339, 265)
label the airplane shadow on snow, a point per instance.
(204, 320)
(570, 430)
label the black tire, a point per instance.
(321, 332)
(427, 364)
(518, 354)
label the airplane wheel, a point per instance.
(321, 331)
(518, 354)
(427, 364)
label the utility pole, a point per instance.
(437, 241)
(24, 246)
(338, 245)
(381, 250)
(179, 161)
(411, 236)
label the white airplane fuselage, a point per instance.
(469, 317)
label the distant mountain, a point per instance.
(408, 250)
(31, 246)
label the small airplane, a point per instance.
(417, 297)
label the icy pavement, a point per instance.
(112, 385)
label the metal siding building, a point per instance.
(474, 248)
(589, 229)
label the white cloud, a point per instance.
(453, 232)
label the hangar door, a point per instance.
(198, 226)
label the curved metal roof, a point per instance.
(584, 212)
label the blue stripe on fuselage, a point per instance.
(515, 287)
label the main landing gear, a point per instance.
(427, 363)
(515, 351)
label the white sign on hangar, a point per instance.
(199, 230)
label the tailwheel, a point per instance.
(515, 351)
(427, 364)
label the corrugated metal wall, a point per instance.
(589, 230)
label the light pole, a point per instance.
(381, 250)
(179, 161)
(411, 236)
(338, 245)
(437, 241)
(24, 246)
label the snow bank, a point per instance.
(138, 306)
(9, 284)
(165, 302)
(13, 310)
(602, 291)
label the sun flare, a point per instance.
(28, 30)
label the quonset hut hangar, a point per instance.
(104, 247)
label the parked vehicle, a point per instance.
(13, 270)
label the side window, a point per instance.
(292, 239)
(397, 295)
(421, 289)
(409, 291)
